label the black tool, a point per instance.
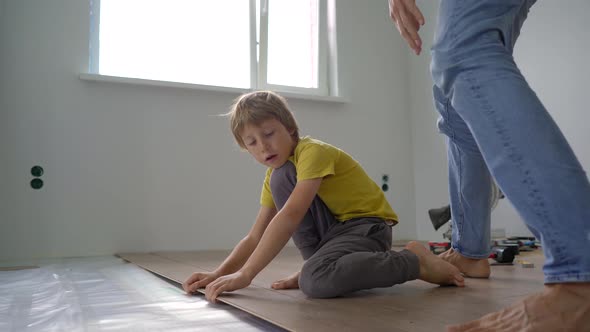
(440, 216)
(503, 254)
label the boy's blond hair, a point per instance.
(256, 107)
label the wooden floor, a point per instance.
(414, 306)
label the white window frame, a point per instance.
(327, 57)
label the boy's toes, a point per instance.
(285, 284)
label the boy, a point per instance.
(316, 193)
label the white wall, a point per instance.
(430, 167)
(136, 168)
(552, 53)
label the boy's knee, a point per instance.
(316, 285)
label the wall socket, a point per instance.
(37, 183)
(384, 182)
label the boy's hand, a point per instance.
(199, 280)
(228, 283)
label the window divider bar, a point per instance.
(94, 40)
(332, 45)
(263, 46)
(323, 50)
(253, 47)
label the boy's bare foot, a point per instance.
(560, 307)
(433, 269)
(291, 282)
(472, 268)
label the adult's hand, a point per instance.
(408, 19)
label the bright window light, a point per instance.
(248, 44)
(192, 41)
(293, 43)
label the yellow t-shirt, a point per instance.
(346, 189)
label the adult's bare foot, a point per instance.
(291, 282)
(472, 268)
(433, 269)
(560, 307)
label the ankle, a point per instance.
(574, 288)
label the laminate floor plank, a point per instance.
(413, 306)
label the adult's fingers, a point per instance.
(416, 13)
(395, 16)
(392, 10)
(409, 40)
(405, 25)
(408, 19)
(409, 7)
(411, 24)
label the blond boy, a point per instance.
(320, 196)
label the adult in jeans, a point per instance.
(497, 129)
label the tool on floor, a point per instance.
(525, 263)
(503, 251)
(525, 243)
(442, 215)
(439, 247)
(515, 247)
(503, 255)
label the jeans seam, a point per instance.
(516, 158)
(459, 186)
(458, 220)
(567, 277)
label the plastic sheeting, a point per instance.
(106, 294)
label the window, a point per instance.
(257, 44)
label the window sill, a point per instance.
(140, 81)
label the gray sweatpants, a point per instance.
(342, 257)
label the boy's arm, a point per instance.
(282, 226)
(238, 256)
(246, 246)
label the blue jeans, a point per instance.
(497, 128)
